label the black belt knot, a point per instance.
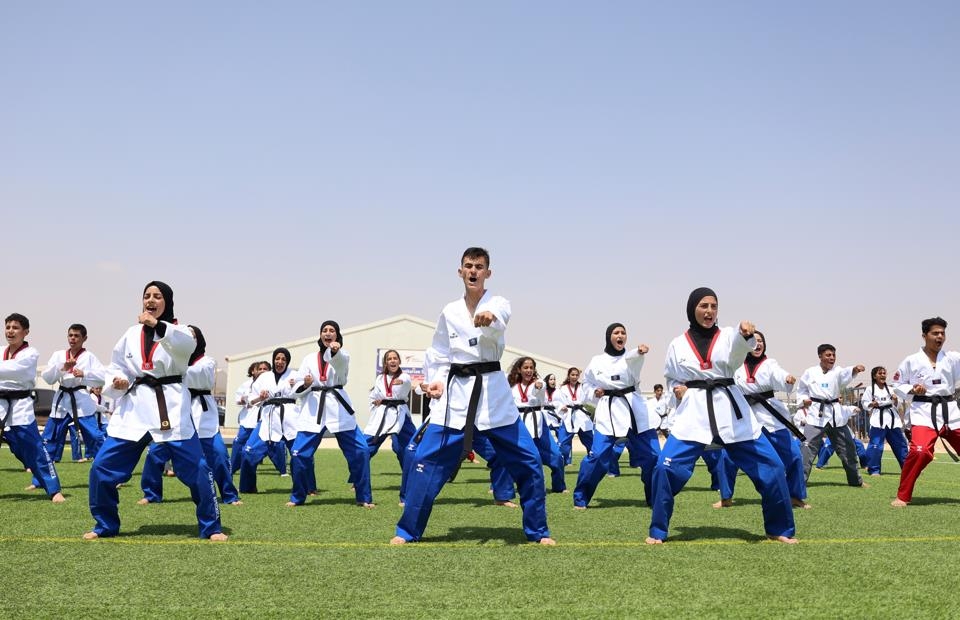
(200, 394)
(937, 400)
(389, 403)
(710, 385)
(475, 370)
(762, 399)
(324, 389)
(156, 384)
(276, 402)
(73, 400)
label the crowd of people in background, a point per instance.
(720, 403)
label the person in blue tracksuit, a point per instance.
(612, 381)
(471, 395)
(145, 379)
(885, 422)
(699, 370)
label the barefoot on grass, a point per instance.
(799, 503)
(31, 487)
(397, 540)
(784, 540)
(898, 503)
(548, 542)
(143, 501)
(90, 536)
(505, 504)
(575, 507)
(58, 498)
(653, 541)
(291, 504)
(367, 505)
(724, 503)
(218, 537)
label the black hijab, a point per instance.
(608, 348)
(286, 354)
(336, 326)
(752, 361)
(201, 348)
(700, 335)
(150, 332)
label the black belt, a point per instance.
(73, 400)
(324, 389)
(10, 396)
(831, 402)
(157, 383)
(276, 402)
(887, 407)
(761, 398)
(389, 403)
(475, 370)
(622, 393)
(936, 401)
(200, 394)
(710, 385)
(524, 411)
(552, 411)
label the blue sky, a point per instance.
(286, 163)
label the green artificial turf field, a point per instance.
(858, 557)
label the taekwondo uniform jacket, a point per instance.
(327, 371)
(93, 373)
(388, 419)
(612, 416)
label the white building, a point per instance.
(408, 334)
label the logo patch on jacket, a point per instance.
(473, 342)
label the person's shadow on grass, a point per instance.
(187, 530)
(482, 535)
(713, 532)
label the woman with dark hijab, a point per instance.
(612, 381)
(145, 380)
(699, 369)
(275, 393)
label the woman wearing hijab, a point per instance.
(200, 380)
(759, 378)
(326, 406)
(145, 380)
(885, 423)
(612, 380)
(274, 392)
(699, 369)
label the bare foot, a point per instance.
(864, 485)
(724, 503)
(90, 536)
(784, 539)
(505, 504)
(291, 504)
(548, 542)
(31, 487)
(653, 541)
(312, 493)
(58, 498)
(401, 504)
(898, 503)
(799, 503)
(565, 491)
(877, 475)
(239, 502)
(398, 540)
(170, 474)
(575, 507)
(367, 505)
(218, 537)
(143, 501)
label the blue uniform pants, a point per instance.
(254, 451)
(214, 451)
(602, 455)
(500, 481)
(897, 441)
(236, 450)
(115, 463)
(304, 474)
(399, 441)
(756, 458)
(436, 458)
(723, 473)
(27, 445)
(55, 434)
(565, 442)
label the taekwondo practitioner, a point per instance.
(200, 380)
(885, 423)
(145, 379)
(273, 395)
(247, 421)
(611, 380)
(389, 411)
(699, 370)
(819, 390)
(529, 396)
(927, 381)
(76, 370)
(324, 405)
(661, 406)
(18, 425)
(759, 378)
(471, 395)
(576, 420)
